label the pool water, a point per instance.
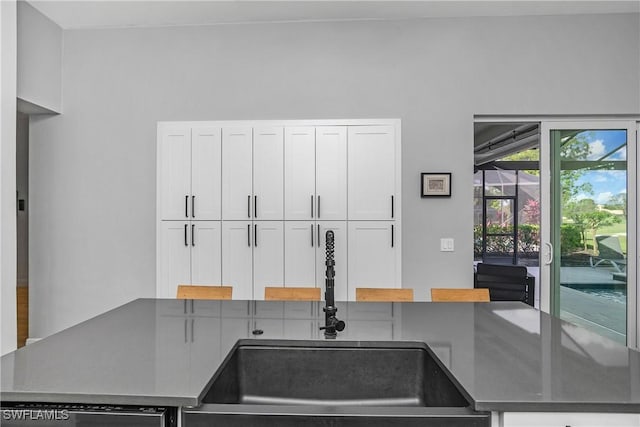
(616, 295)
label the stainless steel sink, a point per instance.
(339, 383)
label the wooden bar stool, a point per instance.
(384, 294)
(291, 294)
(204, 292)
(459, 295)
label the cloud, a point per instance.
(621, 154)
(603, 198)
(596, 149)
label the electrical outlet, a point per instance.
(446, 245)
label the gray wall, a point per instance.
(8, 47)
(93, 168)
(22, 188)
(39, 58)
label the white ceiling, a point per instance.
(137, 13)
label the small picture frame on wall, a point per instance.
(436, 184)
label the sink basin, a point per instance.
(339, 383)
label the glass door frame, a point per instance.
(549, 285)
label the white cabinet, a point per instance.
(268, 173)
(252, 257)
(252, 173)
(373, 256)
(268, 256)
(566, 419)
(305, 255)
(331, 173)
(372, 173)
(247, 204)
(300, 243)
(189, 177)
(300, 173)
(237, 173)
(206, 255)
(316, 173)
(206, 176)
(237, 258)
(190, 254)
(174, 262)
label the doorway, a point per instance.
(589, 230)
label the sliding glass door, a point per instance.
(589, 224)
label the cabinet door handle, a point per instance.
(185, 329)
(391, 206)
(193, 324)
(193, 206)
(318, 234)
(312, 244)
(255, 206)
(193, 229)
(249, 235)
(312, 208)
(255, 235)
(249, 206)
(318, 206)
(185, 235)
(392, 235)
(186, 206)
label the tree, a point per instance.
(575, 148)
(577, 212)
(531, 212)
(618, 202)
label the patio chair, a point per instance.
(505, 282)
(609, 249)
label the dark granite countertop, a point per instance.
(507, 356)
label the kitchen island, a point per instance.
(508, 358)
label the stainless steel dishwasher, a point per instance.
(68, 415)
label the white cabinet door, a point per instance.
(331, 173)
(175, 172)
(236, 173)
(268, 256)
(300, 173)
(300, 242)
(175, 261)
(339, 229)
(237, 258)
(372, 255)
(206, 174)
(268, 173)
(371, 158)
(206, 259)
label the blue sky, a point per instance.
(605, 183)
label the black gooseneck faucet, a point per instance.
(332, 325)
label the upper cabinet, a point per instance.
(316, 173)
(237, 173)
(252, 173)
(248, 204)
(372, 173)
(268, 175)
(189, 177)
